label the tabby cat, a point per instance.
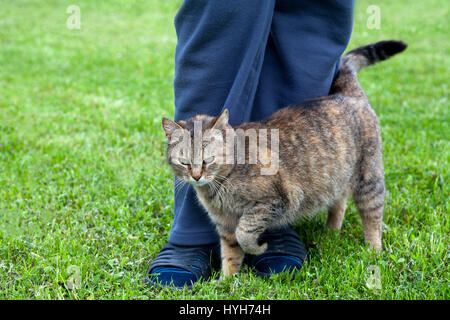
(323, 150)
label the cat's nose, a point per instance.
(196, 174)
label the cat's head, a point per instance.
(197, 148)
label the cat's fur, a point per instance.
(329, 148)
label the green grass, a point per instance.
(83, 180)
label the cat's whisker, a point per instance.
(178, 186)
(219, 189)
(226, 183)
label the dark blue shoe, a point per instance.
(285, 253)
(179, 266)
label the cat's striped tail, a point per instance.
(346, 82)
(367, 55)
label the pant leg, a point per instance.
(302, 55)
(218, 59)
(303, 51)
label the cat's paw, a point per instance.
(224, 276)
(377, 247)
(248, 242)
(255, 249)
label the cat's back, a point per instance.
(334, 107)
(318, 114)
(331, 126)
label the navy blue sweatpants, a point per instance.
(252, 57)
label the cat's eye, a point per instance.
(208, 160)
(184, 162)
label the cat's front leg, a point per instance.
(231, 253)
(250, 227)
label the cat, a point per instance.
(326, 149)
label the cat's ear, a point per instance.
(221, 122)
(169, 127)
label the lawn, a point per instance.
(86, 197)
